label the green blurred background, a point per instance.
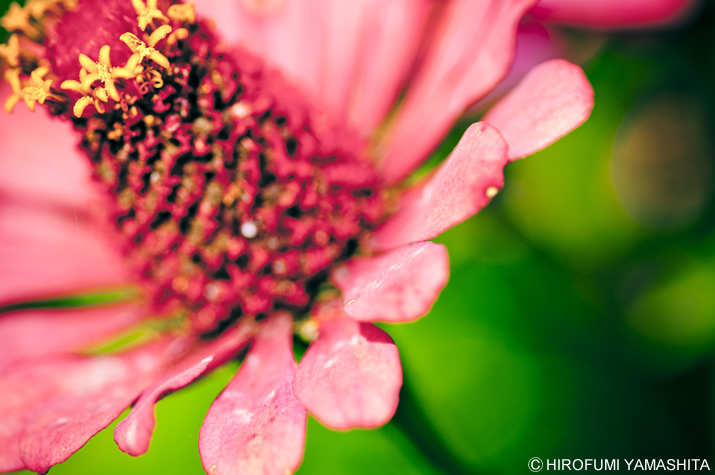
(579, 319)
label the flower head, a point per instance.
(248, 194)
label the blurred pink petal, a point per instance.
(350, 376)
(134, 433)
(535, 44)
(288, 34)
(50, 408)
(256, 425)
(40, 162)
(385, 57)
(551, 101)
(376, 53)
(32, 333)
(473, 49)
(337, 51)
(45, 254)
(399, 286)
(458, 189)
(345, 24)
(613, 13)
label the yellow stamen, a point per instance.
(18, 19)
(69, 4)
(176, 35)
(148, 78)
(11, 51)
(38, 90)
(81, 105)
(12, 76)
(100, 94)
(103, 71)
(147, 12)
(75, 86)
(42, 70)
(38, 8)
(185, 12)
(97, 96)
(127, 100)
(158, 35)
(116, 133)
(156, 80)
(143, 50)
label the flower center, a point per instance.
(231, 197)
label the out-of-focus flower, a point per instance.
(542, 37)
(613, 14)
(240, 209)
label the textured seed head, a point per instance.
(229, 195)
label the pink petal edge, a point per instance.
(341, 54)
(398, 286)
(40, 161)
(388, 52)
(51, 408)
(256, 425)
(34, 333)
(350, 376)
(473, 50)
(134, 433)
(535, 44)
(45, 253)
(552, 100)
(461, 186)
(289, 34)
(366, 57)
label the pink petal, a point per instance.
(33, 333)
(387, 52)
(369, 48)
(350, 376)
(473, 48)
(287, 34)
(40, 162)
(45, 253)
(399, 286)
(134, 433)
(614, 13)
(461, 186)
(51, 408)
(347, 28)
(353, 57)
(551, 101)
(535, 44)
(256, 425)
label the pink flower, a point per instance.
(541, 36)
(609, 14)
(229, 201)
